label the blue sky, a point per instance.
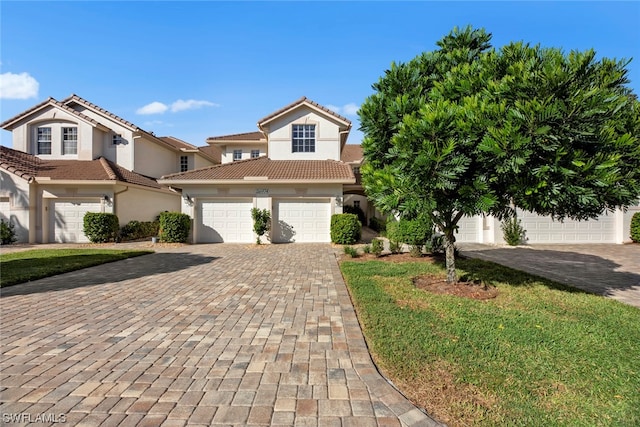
(199, 69)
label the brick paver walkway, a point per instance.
(200, 335)
(605, 269)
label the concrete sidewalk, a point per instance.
(605, 269)
(221, 334)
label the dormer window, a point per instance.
(184, 163)
(237, 155)
(70, 140)
(303, 139)
(255, 154)
(44, 140)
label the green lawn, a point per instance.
(538, 354)
(19, 267)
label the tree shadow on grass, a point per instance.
(565, 270)
(118, 271)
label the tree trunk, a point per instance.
(450, 258)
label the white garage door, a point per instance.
(68, 220)
(225, 221)
(541, 229)
(469, 229)
(302, 221)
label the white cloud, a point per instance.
(18, 86)
(349, 109)
(153, 108)
(190, 104)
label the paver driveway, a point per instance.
(200, 335)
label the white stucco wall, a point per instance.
(14, 201)
(153, 160)
(327, 136)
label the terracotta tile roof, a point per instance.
(247, 136)
(213, 152)
(7, 124)
(303, 100)
(263, 167)
(78, 100)
(351, 153)
(31, 167)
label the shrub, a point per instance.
(345, 229)
(377, 246)
(174, 227)
(415, 232)
(134, 230)
(513, 232)
(366, 249)
(351, 251)
(357, 211)
(395, 247)
(416, 250)
(635, 227)
(7, 232)
(261, 222)
(378, 224)
(101, 227)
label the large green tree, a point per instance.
(468, 129)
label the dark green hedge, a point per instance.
(134, 230)
(635, 227)
(345, 229)
(174, 227)
(101, 227)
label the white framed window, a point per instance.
(255, 153)
(70, 140)
(44, 140)
(116, 139)
(356, 170)
(356, 203)
(303, 139)
(184, 163)
(237, 155)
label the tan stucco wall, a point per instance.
(141, 205)
(227, 154)
(327, 136)
(154, 160)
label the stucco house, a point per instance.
(70, 157)
(293, 167)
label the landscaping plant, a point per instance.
(346, 229)
(468, 129)
(261, 222)
(351, 251)
(377, 246)
(635, 227)
(101, 227)
(512, 231)
(174, 227)
(7, 232)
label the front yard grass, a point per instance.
(539, 353)
(19, 267)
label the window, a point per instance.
(184, 163)
(70, 140)
(356, 203)
(237, 155)
(116, 139)
(304, 139)
(44, 140)
(255, 153)
(356, 170)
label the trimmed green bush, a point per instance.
(357, 211)
(174, 227)
(377, 246)
(346, 229)
(7, 232)
(513, 232)
(635, 227)
(366, 249)
(351, 251)
(261, 222)
(416, 233)
(134, 230)
(100, 227)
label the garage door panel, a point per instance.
(302, 221)
(542, 229)
(68, 220)
(225, 221)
